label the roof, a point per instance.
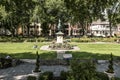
(100, 22)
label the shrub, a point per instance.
(83, 70)
(63, 75)
(102, 76)
(116, 78)
(37, 63)
(31, 78)
(75, 40)
(93, 39)
(49, 75)
(31, 40)
(85, 39)
(46, 76)
(42, 39)
(110, 66)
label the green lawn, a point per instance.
(99, 51)
(24, 50)
(87, 50)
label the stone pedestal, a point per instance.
(59, 37)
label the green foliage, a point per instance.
(64, 75)
(83, 70)
(94, 39)
(91, 10)
(116, 78)
(110, 66)
(46, 76)
(37, 63)
(102, 76)
(45, 29)
(31, 78)
(17, 13)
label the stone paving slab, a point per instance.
(104, 66)
(21, 71)
(60, 54)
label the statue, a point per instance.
(59, 25)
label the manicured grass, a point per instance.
(96, 50)
(87, 50)
(24, 50)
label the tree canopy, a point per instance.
(83, 12)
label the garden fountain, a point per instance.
(60, 45)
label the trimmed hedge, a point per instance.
(85, 39)
(21, 39)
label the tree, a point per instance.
(53, 10)
(37, 63)
(113, 15)
(110, 67)
(18, 13)
(85, 11)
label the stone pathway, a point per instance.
(104, 66)
(60, 54)
(20, 72)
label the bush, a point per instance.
(5, 63)
(31, 40)
(75, 40)
(64, 75)
(102, 76)
(37, 63)
(93, 39)
(46, 76)
(116, 78)
(11, 39)
(31, 78)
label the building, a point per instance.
(101, 28)
(97, 28)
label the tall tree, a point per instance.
(85, 11)
(18, 12)
(50, 11)
(113, 15)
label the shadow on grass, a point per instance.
(53, 55)
(30, 55)
(89, 55)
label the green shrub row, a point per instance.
(84, 39)
(20, 39)
(43, 39)
(66, 75)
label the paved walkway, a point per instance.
(20, 72)
(60, 54)
(104, 66)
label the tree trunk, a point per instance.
(110, 25)
(28, 30)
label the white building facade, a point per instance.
(100, 28)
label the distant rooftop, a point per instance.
(100, 22)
